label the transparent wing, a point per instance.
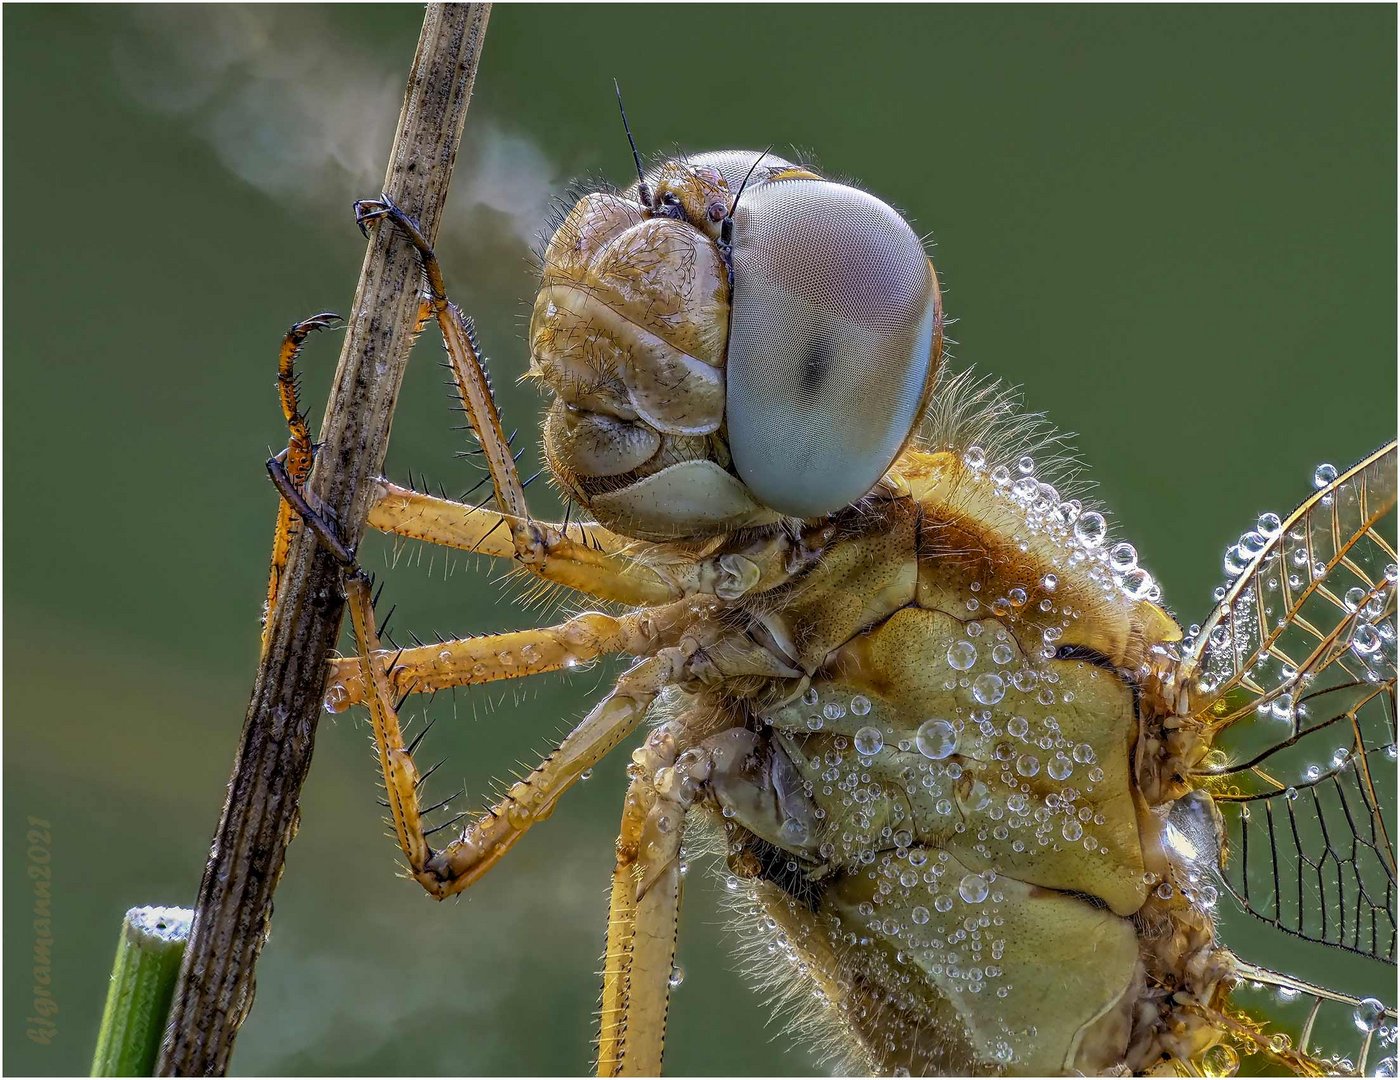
(1310, 1014)
(1295, 673)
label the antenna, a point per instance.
(726, 227)
(643, 190)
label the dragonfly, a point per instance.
(977, 796)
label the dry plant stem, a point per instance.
(261, 811)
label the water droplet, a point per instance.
(1025, 679)
(1072, 830)
(1220, 1060)
(1236, 561)
(1122, 556)
(1028, 765)
(677, 976)
(869, 741)
(1049, 582)
(962, 655)
(919, 915)
(860, 705)
(1059, 767)
(1091, 529)
(975, 457)
(936, 739)
(978, 797)
(988, 689)
(1138, 584)
(1026, 465)
(1269, 525)
(1324, 475)
(1252, 543)
(973, 888)
(1368, 1014)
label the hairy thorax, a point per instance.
(934, 810)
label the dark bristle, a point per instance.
(424, 778)
(418, 739)
(442, 805)
(453, 820)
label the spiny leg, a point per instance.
(511, 655)
(593, 563)
(533, 799)
(528, 801)
(590, 636)
(544, 549)
(297, 457)
(749, 777)
(529, 538)
(622, 923)
(644, 908)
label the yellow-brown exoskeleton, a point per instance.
(969, 782)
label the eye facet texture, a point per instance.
(835, 311)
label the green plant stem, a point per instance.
(143, 981)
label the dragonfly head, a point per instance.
(721, 360)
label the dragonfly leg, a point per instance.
(644, 908)
(532, 799)
(483, 843)
(591, 560)
(531, 540)
(644, 904)
(298, 455)
(511, 655)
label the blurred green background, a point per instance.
(1174, 226)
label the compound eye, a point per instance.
(834, 342)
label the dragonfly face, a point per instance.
(721, 359)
